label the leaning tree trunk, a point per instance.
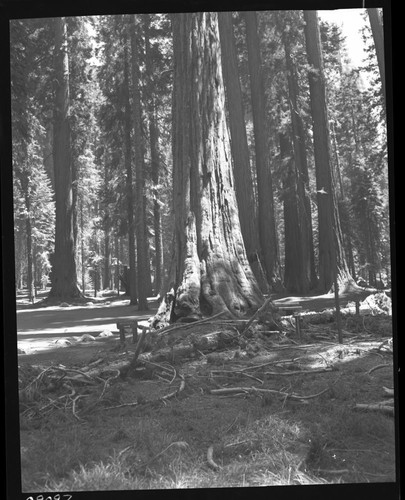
(64, 283)
(210, 272)
(331, 254)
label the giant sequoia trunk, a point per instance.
(331, 254)
(239, 146)
(210, 272)
(64, 282)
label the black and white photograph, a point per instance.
(201, 264)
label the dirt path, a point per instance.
(327, 300)
(39, 328)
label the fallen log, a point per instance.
(192, 344)
(389, 410)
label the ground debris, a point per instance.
(386, 406)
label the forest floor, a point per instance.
(275, 410)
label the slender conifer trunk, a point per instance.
(141, 242)
(331, 254)
(129, 183)
(266, 216)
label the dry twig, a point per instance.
(210, 460)
(378, 367)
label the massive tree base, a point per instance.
(215, 278)
(58, 297)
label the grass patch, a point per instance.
(259, 439)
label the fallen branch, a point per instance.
(210, 460)
(177, 391)
(74, 407)
(37, 378)
(180, 326)
(180, 444)
(256, 314)
(238, 372)
(378, 367)
(233, 390)
(332, 471)
(386, 402)
(138, 347)
(158, 365)
(274, 362)
(386, 342)
(388, 391)
(301, 372)
(376, 407)
(121, 405)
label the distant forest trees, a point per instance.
(218, 157)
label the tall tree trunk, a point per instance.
(24, 184)
(210, 271)
(64, 283)
(129, 184)
(28, 231)
(293, 271)
(142, 265)
(338, 173)
(82, 252)
(22, 173)
(343, 207)
(155, 163)
(239, 146)
(378, 37)
(306, 259)
(107, 255)
(266, 216)
(330, 236)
